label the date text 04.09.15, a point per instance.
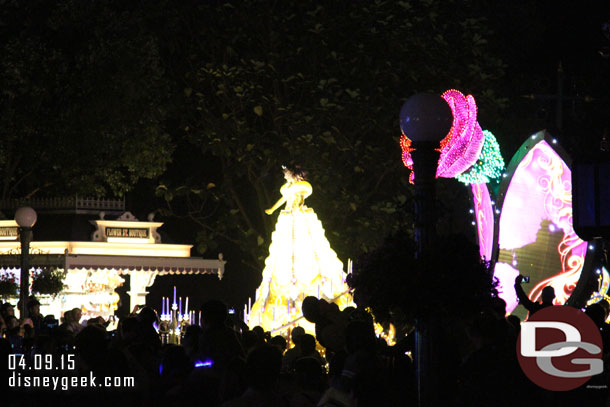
(40, 362)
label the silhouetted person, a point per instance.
(77, 314)
(67, 324)
(217, 342)
(190, 342)
(304, 347)
(34, 314)
(280, 342)
(7, 309)
(174, 370)
(310, 381)
(262, 373)
(362, 380)
(547, 240)
(249, 340)
(15, 333)
(295, 333)
(146, 318)
(91, 348)
(260, 335)
(329, 320)
(293, 353)
(547, 296)
(308, 349)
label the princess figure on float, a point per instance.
(300, 262)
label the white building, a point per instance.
(118, 244)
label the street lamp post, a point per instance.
(26, 219)
(426, 119)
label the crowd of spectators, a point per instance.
(223, 363)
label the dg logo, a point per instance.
(560, 348)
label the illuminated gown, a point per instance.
(300, 263)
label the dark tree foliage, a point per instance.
(319, 85)
(451, 281)
(82, 95)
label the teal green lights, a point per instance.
(488, 166)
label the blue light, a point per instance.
(598, 271)
(591, 247)
(161, 368)
(206, 363)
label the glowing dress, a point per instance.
(300, 263)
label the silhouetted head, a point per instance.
(68, 317)
(128, 328)
(297, 331)
(263, 367)
(360, 335)
(279, 341)
(310, 308)
(260, 333)
(348, 310)
(33, 307)
(548, 294)
(213, 314)
(308, 344)
(7, 309)
(147, 316)
(77, 314)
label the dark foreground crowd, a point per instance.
(223, 363)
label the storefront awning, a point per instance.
(13, 261)
(160, 265)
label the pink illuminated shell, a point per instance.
(462, 146)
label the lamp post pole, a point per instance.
(425, 159)
(426, 119)
(25, 235)
(26, 219)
